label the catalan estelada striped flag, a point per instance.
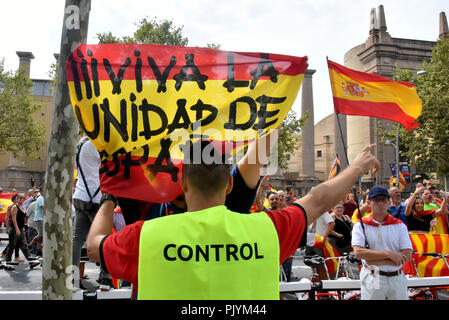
(140, 104)
(335, 169)
(428, 266)
(365, 94)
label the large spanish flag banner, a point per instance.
(140, 104)
(428, 266)
(365, 94)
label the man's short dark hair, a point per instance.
(289, 187)
(208, 171)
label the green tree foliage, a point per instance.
(290, 137)
(427, 146)
(216, 46)
(20, 133)
(150, 31)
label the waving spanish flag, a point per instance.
(365, 94)
(141, 104)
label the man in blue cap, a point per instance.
(383, 244)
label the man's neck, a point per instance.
(379, 216)
(200, 203)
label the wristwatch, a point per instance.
(107, 196)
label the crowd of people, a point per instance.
(131, 253)
(417, 214)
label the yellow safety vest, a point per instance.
(212, 254)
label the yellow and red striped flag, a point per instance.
(328, 251)
(428, 243)
(402, 181)
(335, 169)
(140, 104)
(365, 94)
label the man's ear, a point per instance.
(183, 182)
(230, 184)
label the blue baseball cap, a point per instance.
(377, 191)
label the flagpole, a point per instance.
(353, 188)
(397, 158)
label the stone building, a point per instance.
(379, 54)
(15, 174)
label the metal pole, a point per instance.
(397, 157)
(57, 250)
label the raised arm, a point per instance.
(259, 202)
(254, 159)
(411, 200)
(443, 208)
(324, 196)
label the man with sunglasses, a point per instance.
(384, 245)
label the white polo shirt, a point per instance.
(389, 237)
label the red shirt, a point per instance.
(120, 251)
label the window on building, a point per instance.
(319, 153)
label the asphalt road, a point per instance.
(25, 279)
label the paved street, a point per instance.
(25, 279)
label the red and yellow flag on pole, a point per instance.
(140, 104)
(335, 169)
(365, 94)
(328, 251)
(428, 266)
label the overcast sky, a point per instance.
(313, 28)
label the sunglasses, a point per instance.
(21, 198)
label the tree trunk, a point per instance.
(57, 250)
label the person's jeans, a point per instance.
(287, 266)
(84, 215)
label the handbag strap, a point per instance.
(78, 151)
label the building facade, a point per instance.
(379, 54)
(15, 174)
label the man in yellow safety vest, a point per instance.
(211, 252)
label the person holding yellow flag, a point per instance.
(210, 252)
